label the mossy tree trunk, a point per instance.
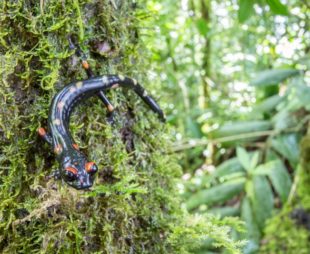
(133, 208)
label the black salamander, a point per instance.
(75, 169)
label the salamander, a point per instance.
(75, 169)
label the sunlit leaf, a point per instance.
(268, 104)
(245, 10)
(244, 158)
(254, 160)
(228, 167)
(272, 77)
(277, 7)
(202, 26)
(216, 194)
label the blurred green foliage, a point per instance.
(238, 79)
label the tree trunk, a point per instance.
(132, 207)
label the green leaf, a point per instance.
(283, 120)
(254, 160)
(202, 26)
(273, 77)
(244, 158)
(225, 211)
(228, 167)
(277, 7)
(239, 128)
(246, 9)
(216, 194)
(268, 104)
(262, 200)
(252, 230)
(278, 175)
(288, 146)
(281, 181)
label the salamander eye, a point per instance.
(70, 174)
(91, 167)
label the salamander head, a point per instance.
(78, 172)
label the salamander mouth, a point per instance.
(86, 187)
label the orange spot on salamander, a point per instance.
(42, 132)
(85, 64)
(79, 84)
(76, 146)
(58, 149)
(110, 108)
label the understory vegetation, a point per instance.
(238, 73)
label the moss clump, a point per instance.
(289, 231)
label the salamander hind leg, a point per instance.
(109, 106)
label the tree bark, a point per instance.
(133, 206)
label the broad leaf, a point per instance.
(244, 158)
(281, 181)
(268, 104)
(288, 146)
(228, 167)
(277, 7)
(273, 77)
(254, 160)
(202, 26)
(262, 200)
(216, 194)
(283, 120)
(278, 175)
(245, 10)
(252, 231)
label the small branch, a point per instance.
(197, 142)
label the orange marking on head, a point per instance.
(85, 64)
(41, 131)
(75, 146)
(72, 170)
(58, 149)
(88, 166)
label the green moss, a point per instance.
(284, 233)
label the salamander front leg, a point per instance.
(45, 136)
(55, 174)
